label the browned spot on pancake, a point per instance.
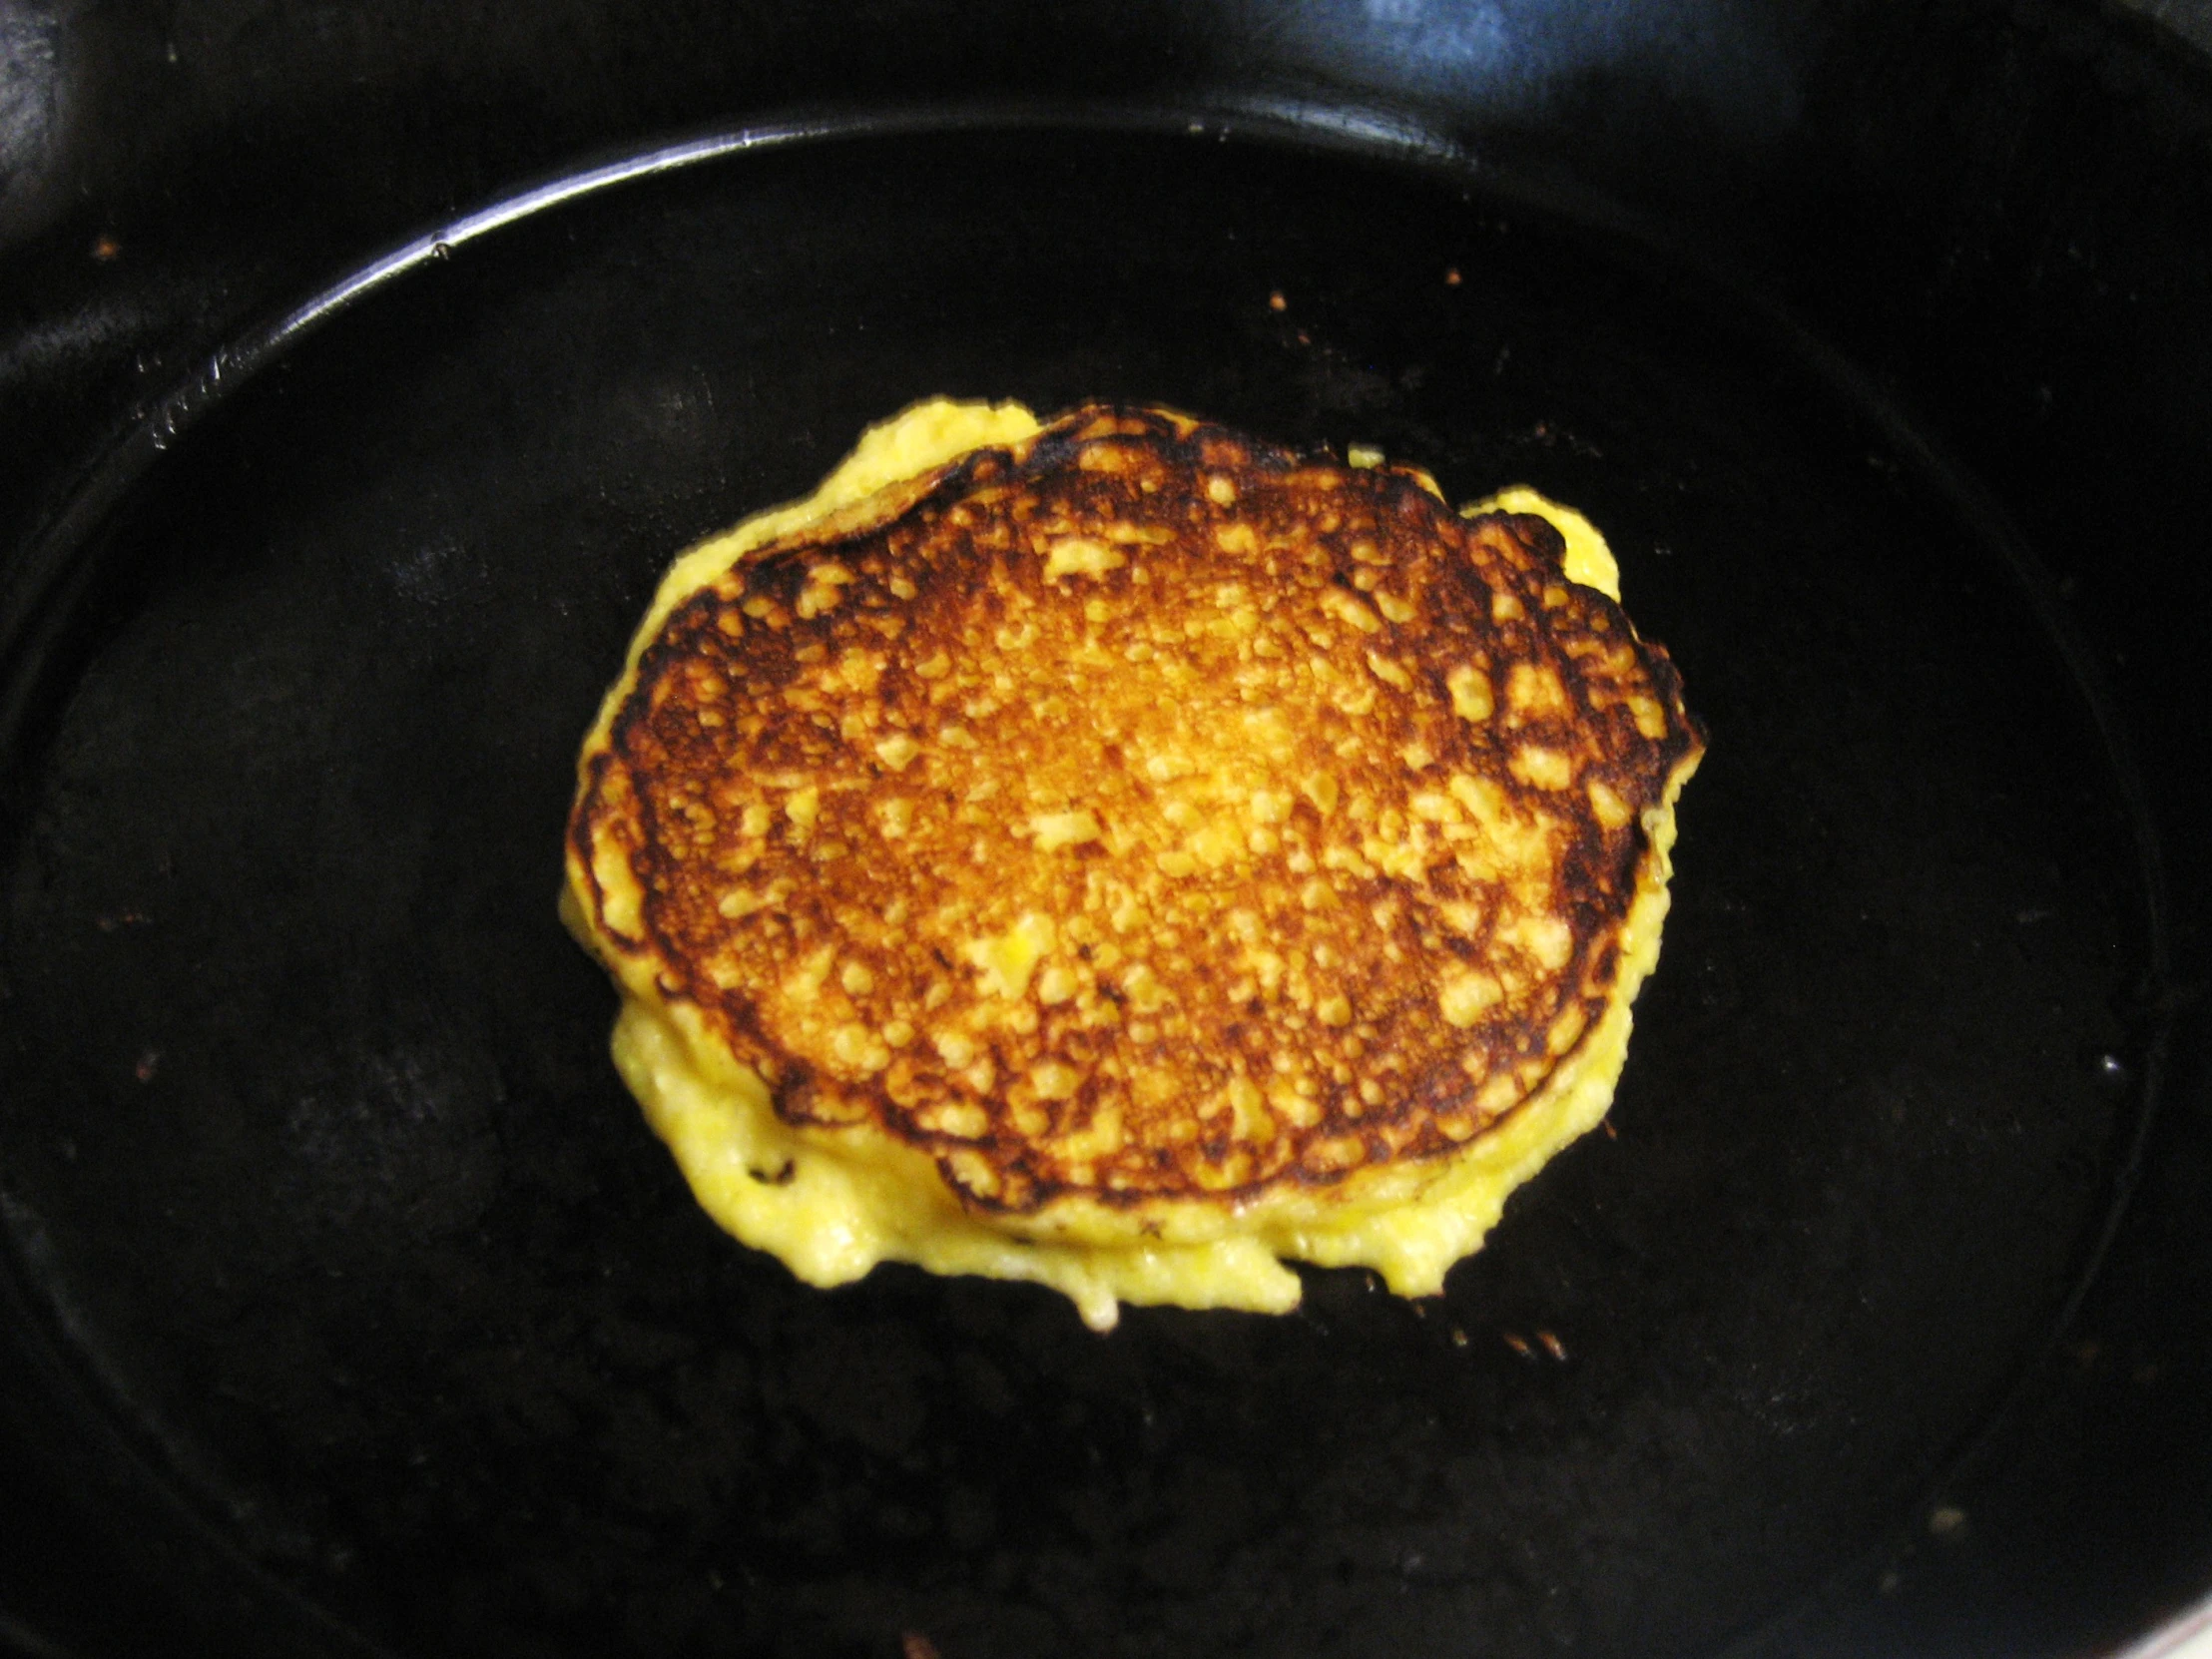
(1145, 813)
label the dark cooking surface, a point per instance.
(324, 1187)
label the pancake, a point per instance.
(1117, 852)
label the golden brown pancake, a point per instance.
(1125, 853)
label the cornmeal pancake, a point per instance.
(1118, 852)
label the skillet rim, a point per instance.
(44, 579)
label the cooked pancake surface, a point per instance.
(1153, 837)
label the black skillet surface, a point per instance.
(366, 1291)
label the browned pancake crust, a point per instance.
(1366, 782)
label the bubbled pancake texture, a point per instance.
(1145, 813)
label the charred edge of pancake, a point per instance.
(1592, 892)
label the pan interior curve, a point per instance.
(315, 1158)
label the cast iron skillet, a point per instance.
(343, 1275)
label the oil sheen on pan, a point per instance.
(1117, 852)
